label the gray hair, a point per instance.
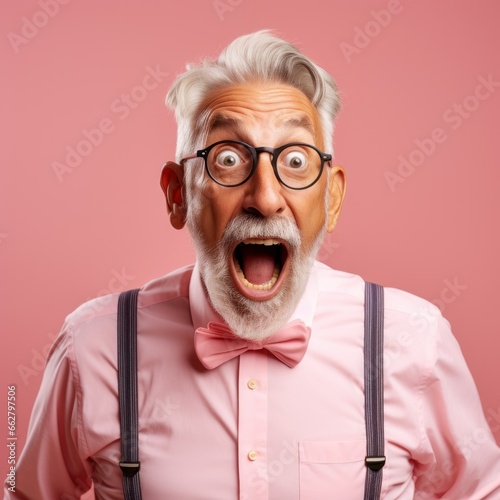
(258, 56)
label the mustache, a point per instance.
(247, 226)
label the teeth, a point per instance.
(263, 286)
(267, 242)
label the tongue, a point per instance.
(257, 262)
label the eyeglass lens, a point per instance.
(232, 163)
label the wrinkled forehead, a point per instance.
(248, 108)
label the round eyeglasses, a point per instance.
(231, 163)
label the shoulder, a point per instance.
(92, 326)
(332, 281)
(408, 319)
(160, 290)
(86, 347)
(417, 338)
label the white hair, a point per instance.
(257, 56)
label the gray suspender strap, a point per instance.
(374, 397)
(374, 389)
(127, 394)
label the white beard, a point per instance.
(251, 319)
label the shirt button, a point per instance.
(252, 384)
(252, 455)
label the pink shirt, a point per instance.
(254, 428)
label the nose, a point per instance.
(264, 193)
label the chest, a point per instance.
(253, 428)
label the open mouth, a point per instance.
(259, 266)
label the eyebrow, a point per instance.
(221, 121)
(300, 122)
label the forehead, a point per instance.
(257, 105)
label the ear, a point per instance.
(172, 185)
(336, 188)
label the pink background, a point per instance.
(102, 227)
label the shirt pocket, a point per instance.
(332, 470)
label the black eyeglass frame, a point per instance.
(274, 152)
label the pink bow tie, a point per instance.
(217, 344)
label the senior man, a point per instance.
(251, 362)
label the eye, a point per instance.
(295, 160)
(228, 158)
